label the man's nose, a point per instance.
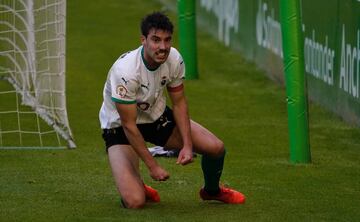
(162, 45)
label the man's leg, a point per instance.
(124, 164)
(204, 142)
(212, 150)
(212, 162)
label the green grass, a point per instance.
(232, 98)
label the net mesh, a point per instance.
(32, 67)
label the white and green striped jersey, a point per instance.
(129, 81)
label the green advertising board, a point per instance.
(331, 44)
(331, 31)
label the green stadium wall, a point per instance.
(331, 44)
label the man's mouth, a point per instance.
(161, 54)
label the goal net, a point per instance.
(32, 75)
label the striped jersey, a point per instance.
(129, 81)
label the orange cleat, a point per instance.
(225, 195)
(151, 194)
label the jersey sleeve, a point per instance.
(123, 88)
(178, 77)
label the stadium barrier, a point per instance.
(331, 44)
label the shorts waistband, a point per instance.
(112, 130)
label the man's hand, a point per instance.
(158, 173)
(185, 156)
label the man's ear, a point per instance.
(143, 39)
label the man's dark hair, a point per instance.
(156, 20)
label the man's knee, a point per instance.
(133, 201)
(217, 148)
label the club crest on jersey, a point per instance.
(121, 91)
(143, 106)
(163, 80)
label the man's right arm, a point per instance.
(128, 114)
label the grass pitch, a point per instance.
(232, 98)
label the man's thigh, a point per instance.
(204, 141)
(124, 164)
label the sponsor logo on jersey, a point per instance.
(121, 91)
(143, 106)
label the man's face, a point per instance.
(157, 46)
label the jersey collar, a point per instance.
(145, 62)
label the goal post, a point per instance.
(32, 74)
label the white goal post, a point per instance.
(32, 74)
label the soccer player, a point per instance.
(134, 112)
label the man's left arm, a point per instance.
(181, 115)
